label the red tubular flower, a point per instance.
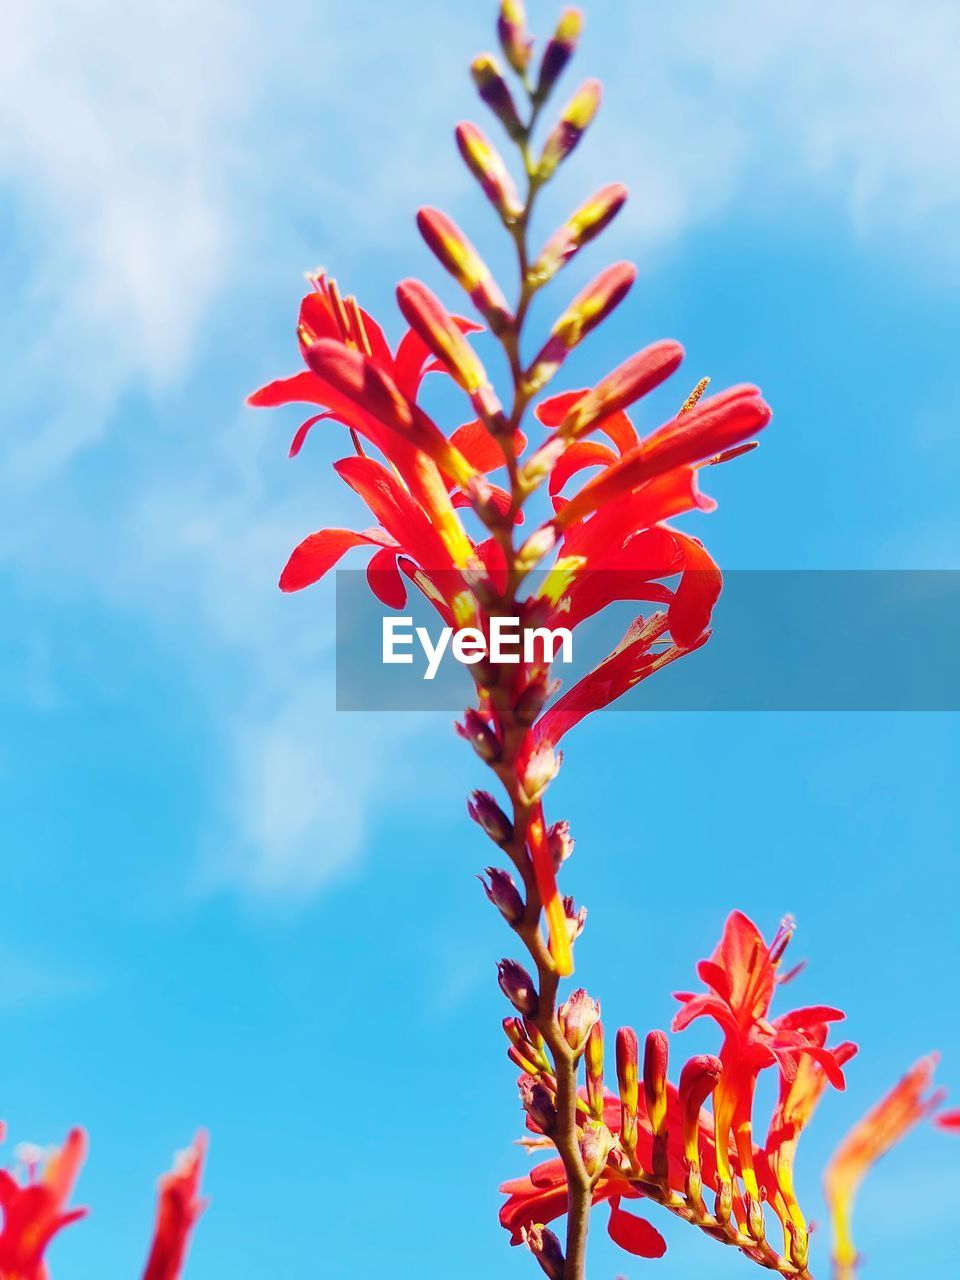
(35, 1210)
(178, 1208)
(742, 977)
(901, 1110)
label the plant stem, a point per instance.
(514, 734)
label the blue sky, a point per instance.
(226, 905)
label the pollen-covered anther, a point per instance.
(694, 397)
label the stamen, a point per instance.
(339, 311)
(357, 327)
(694, 397)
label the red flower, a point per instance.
(742, 977)
(34, 1209)
(178, 1208)
(907, 1103)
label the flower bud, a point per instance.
(755, 1223)
(576, 918)
(559, 51)
(426, 314)
(591, 306)
(570, 128)
(698, 1079)
(537, 1101)
(539, 545)
(481, 737)
(561, 842)
(578, 1015)
(628, 1065)
(503, 893)
(630, 381)
(495, 92)
(541, 768)
(580, 228)
(593, 1058)
(596, 1143)
(545, 1247)
(517, 985)
(486, 165)
(655, 1056)
(455, 252)
(723, 1205)
(530, 702)
(485, 811)
(512, 29)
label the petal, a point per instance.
(692, 606)
(318, 553)
(385, 579)
(303, 431)
(578, 456)
(636, 1235)
(302, 388)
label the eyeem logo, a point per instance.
(509, 642)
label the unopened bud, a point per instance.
(628, 1067)
(570, 128)
(530, 702)
(455, 252)
(698, 1079)
(561, 842)
(799, 1244)
(576, 918)
(541, 768)
(627, 383)
(591, 306)
(485, 811)
(503, 893)
(755, 1223)
(559, 51)
(512, 29)
(481, 737)
(489, 169)
(655, 1057)
(426, 314)
(537, 546)
(537, 1101)
(596, 1143)
(593, 1060)
(580, 228)
(495, 92)
(517, 985)
(577, 1016)
(545, 1247)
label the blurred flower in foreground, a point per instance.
(902, 1109)
(33, 1201)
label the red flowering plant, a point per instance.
(688, 1147)
(34, 1204)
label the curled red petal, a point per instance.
(317, 554)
